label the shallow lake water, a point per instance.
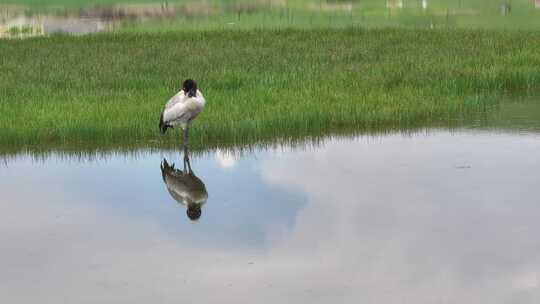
(438, 216)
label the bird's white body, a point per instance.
(182, 109)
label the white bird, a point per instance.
(182, 109)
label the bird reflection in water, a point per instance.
(186, 188)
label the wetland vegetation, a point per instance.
(260, 84)
(154, 15)
(271, 70)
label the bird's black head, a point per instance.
(194, 211)
(190, 87)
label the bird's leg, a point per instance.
(186, 161)
(186, 137)
(188, 164)
(186, 151)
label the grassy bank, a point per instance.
(110, 88)
(157, 16)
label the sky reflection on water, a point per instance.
(440, 217)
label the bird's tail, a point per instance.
(162, 125)
(164, 168)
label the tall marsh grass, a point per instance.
(259, 84)
(174, 15)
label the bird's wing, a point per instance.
(177, 98)
(183, 112)
(177, 113)
(186, 187)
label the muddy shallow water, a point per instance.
(432, 217)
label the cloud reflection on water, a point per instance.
(387, 220)
(401, 224)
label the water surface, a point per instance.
(438, 216)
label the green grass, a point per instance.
(259, 84)
(79, 3)
(308, 14)
(251, 14)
